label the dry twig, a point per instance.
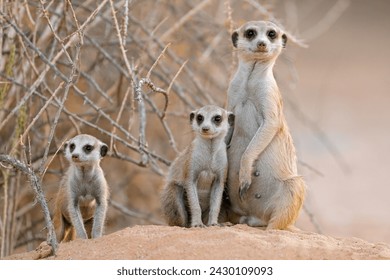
(36, 186)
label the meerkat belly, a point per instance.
(274, 165)
(205, 181)
(278, 160)
(87, 204)
(245, 128)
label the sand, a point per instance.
(229, 242)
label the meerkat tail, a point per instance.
(287, 212)
(173, 205)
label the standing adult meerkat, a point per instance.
(193, 193)
(264, 186)
(81, 202)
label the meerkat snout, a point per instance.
(262, 46)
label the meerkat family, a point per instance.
(81, 202)
(193, 192)
(263, 184)
(247, 148)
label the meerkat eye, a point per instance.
(271, 34)
(199, 118)
(88, 148)
(217, 119)
(72, 147)
(250, 33)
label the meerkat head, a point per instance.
(259, 40)
(211, 121)
(84, 149)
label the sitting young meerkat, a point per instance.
(193, 192)
(81, 203)
(263, 184)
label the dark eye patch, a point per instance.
(199, 119)
(250, 34)
(88, 148)
(72, 147)
(271, 34)
(217, 119)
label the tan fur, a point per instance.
(195, 183)
(264, 186)
(81, 202)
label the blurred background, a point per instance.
(344, 88)
(70, 67)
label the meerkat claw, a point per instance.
(243, 189)
(199, 226)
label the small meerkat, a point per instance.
(81, 202)
(263, 183)
(193, 192)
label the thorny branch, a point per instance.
(36, 186)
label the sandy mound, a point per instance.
(236, 242)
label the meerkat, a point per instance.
(193, 192)
(263, 183)
(81, 202)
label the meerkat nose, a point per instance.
(75, 156)
(261, 45)
(205, 129)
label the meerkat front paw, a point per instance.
(245, 182)
(82, 235)
(245, 178)
(244, 188)
(198, 225)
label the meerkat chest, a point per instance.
(85, 187)
(205, 180)
(246, 102)
(209, 162)
(248, 118)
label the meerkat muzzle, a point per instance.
(261, 47)
(75, 158)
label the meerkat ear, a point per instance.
(103, 150)
(192, 116)
(284, 40)
(231, 118)
(235, 38)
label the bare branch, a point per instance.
(36, 186)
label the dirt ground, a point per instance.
(236, 242)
